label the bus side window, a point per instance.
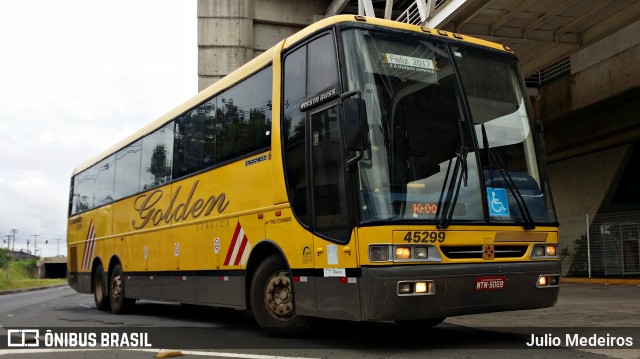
(295, 132)
(128, 170)
(157, 156)
(308, 70)
(188, 143)
(104, 181)
(83, 191)
(243, 121)
(330, 210)
(322, 68)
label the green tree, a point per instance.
(159, 168)
(4, 260)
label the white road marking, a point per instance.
(223, 354)
(184, 352)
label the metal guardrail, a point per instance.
(609, 249)
(418, 11)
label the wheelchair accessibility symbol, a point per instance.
(498, 203)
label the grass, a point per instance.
(20, 274)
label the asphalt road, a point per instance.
(582, 310)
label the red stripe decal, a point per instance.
(243, 245)
(233, 244)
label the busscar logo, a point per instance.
(23, 338)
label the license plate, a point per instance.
(490, 283)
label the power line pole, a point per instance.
(58, 240)
(8, 236)
(13, 232)
(35, 244)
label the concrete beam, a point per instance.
(552, 55)
(555, 10)
(446, 12)
(586, 15)
(336, 7)
(470, 12)
(515, 33)
(610, 46)
(289, 13)
(509, 14)
(619, 20)
(612, 79)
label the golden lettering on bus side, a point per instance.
(213, 224)
(145, 205)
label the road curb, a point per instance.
(617, 281)
(30, 289)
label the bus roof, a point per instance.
(266, 58)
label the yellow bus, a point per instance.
(361, 169)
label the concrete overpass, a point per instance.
(52, 267)
(579, 57)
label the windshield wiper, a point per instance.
(460, 172)
(522, 206)
(456, 180)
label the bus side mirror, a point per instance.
(354, 116)
(539, 129)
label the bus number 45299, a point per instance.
(424, 237)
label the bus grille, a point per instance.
(475, 252)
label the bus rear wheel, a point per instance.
(119, 303)
(99, 293)
(272, 300)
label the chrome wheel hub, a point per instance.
(278, 296)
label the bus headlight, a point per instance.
(420, 253)
(421, 287)
(551, 251)
(538, 251)
(416, 287)
(548, 281)
(379, 253)
(541, 251)
(403, 253)
(405, 288)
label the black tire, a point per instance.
(117, 295)
(272, 300)
(420, 323)
(100, 289)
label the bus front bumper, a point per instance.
(454, 289)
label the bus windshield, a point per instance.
(425, 161)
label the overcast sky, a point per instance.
(76, 76)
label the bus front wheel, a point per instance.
(272, 300)
(119, 303)
(99, 294)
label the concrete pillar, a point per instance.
(231, 33)
(225, 38)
